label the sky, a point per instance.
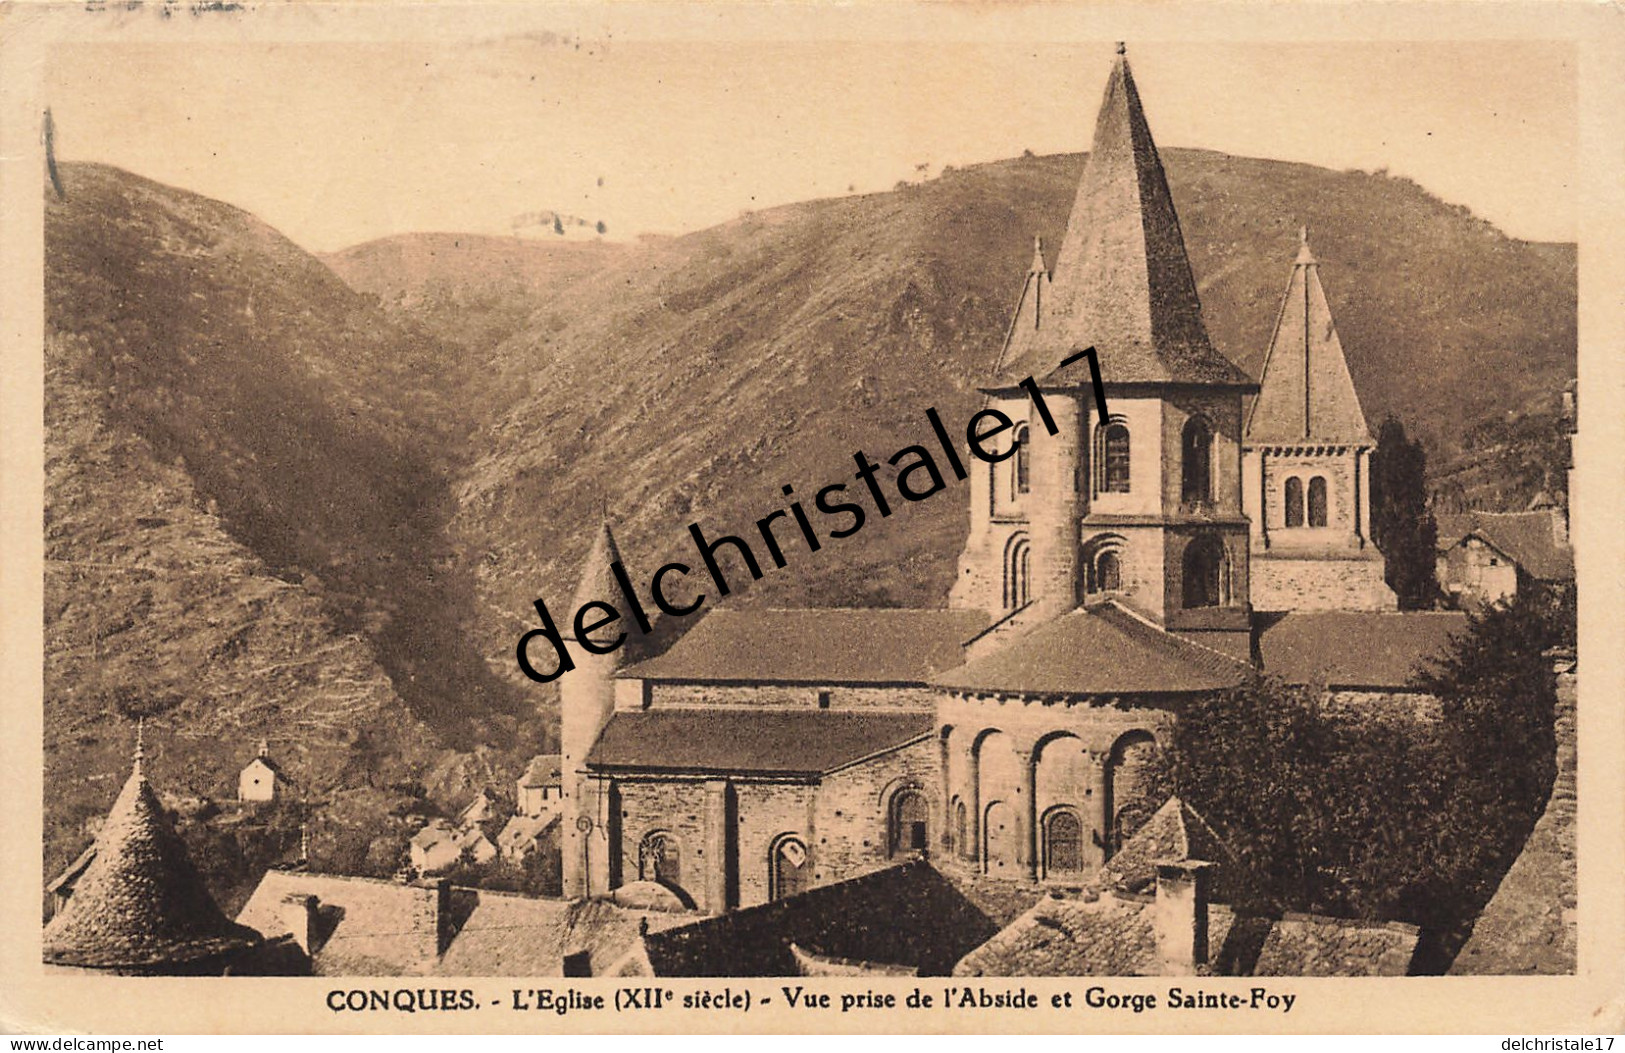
(338, 143)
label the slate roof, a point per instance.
(1101, 650)
(521, 830)
(1526, 538)
(140, 903)
(900, 918)
(1305, 392)
(1112, 934)
(1122, 282)
(1176, 831)
(546, 769)
(817, 646)
(1376, 650)
(785, 742)
(365, 925)
(509, 935)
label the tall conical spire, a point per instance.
(1122, 281)
(1306, 393)
(140, 903)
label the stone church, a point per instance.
(1112, 572)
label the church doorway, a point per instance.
(909, 823)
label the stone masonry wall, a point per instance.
(1320, 585)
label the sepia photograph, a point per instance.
(580, 495)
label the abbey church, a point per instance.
(1209, 526)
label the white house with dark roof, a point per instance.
(261, 779)
(1485, 557)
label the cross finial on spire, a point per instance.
(1038, 255)
(140, 748)
(1122, 48)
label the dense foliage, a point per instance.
(1401, 524)
(1385, 814)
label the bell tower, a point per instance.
(1145, 506)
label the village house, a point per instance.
(541, 787)
(1489, 557)
(261, 779)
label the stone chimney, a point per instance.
(1179, 915)
(299, 917)
(431, 917)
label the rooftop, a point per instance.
(1526, 538)
(782, 742)
(1305, 392)
(1375, 650)
(1100, 650)
(139, 902)
(817, 645)
(1122, 282)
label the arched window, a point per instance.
(1024, 461)
(1196, 463)
(1063, 843)
(1114, 477)
(1317, 501)
(789, 868)
(661, 859)
(1017, 572)
(1204, 573)
(962, 830)
(1294, 501)
(909, 822)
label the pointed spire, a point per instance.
(597, 581)
(140, 903)
(1305, 391)
(1122, 280)
(140, 751)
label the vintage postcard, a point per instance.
(878, 517)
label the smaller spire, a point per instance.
(1304, 255)
(1038, 256)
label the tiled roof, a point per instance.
(545, 769)
(808, 742)
(140, 903)
(1112, 934)
(902, 917)
(1305, 392)
(1107, 934)
(1526, 538)
(822, 646)
(523, 829)
(508, 935)
(1122, 282)
(1176, 831)
(1356, 649)
(365, 927)
(1101, 650)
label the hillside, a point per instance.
(695, 376)
(248, 474)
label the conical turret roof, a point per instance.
(597, 581)
(140, 904)
(1305, 392)
(1122, 282)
